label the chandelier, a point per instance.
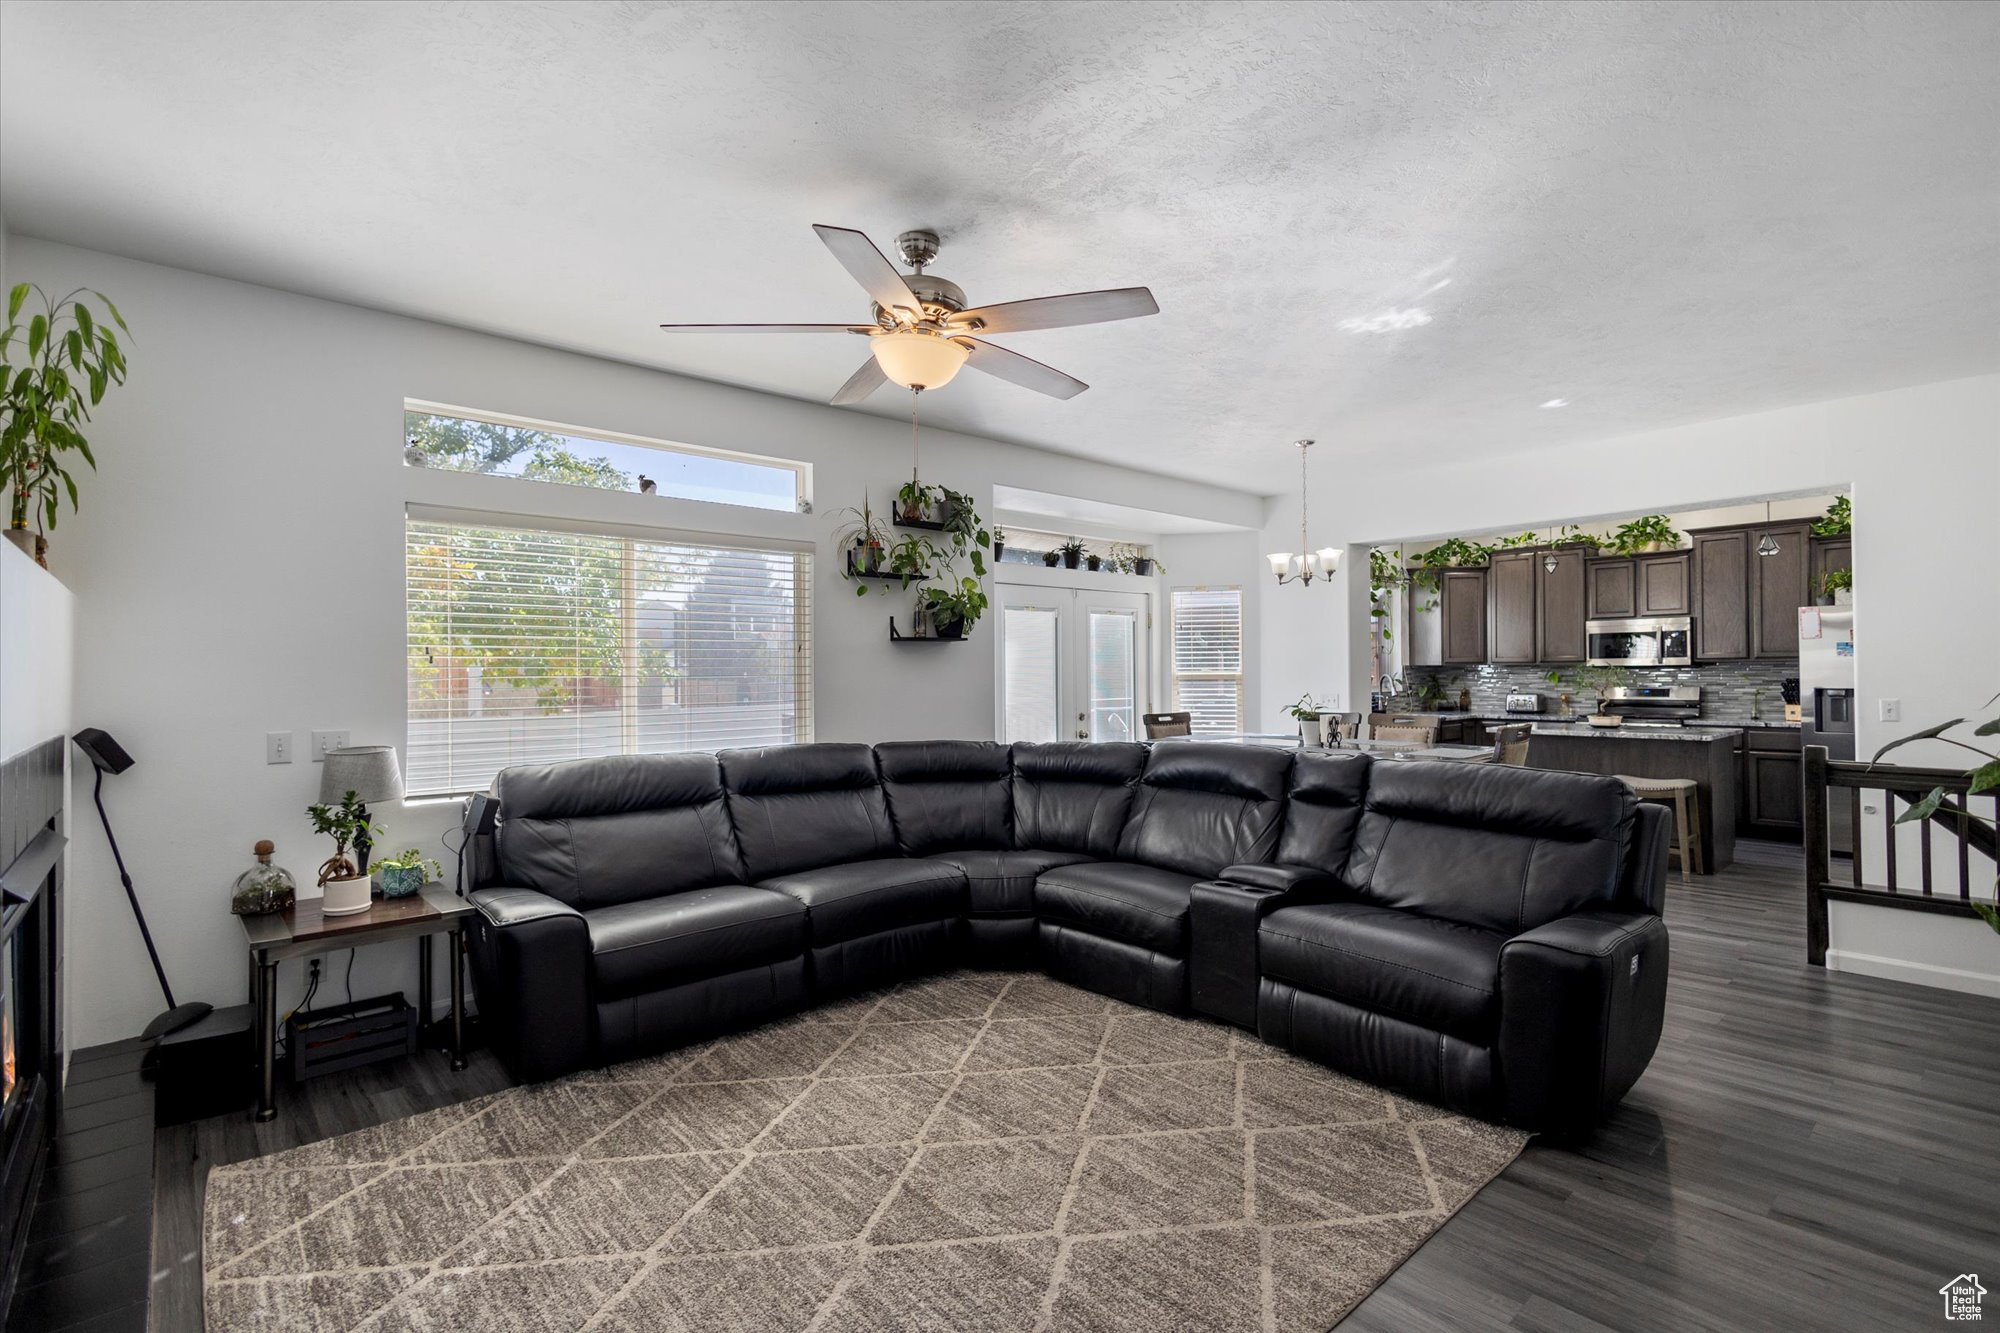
(1308, 564)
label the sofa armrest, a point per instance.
(1282, 879)
(531, 959)
(1582, 999)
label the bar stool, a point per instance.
(1687, 814)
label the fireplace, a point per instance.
(31, 847)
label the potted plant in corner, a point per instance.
(344, 884)
(53, 370)
(1305, 712)
(406, 872)
(1072, 552)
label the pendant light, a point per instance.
(1767, 544)
(1549, 561)
(1308, 564)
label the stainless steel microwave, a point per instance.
(1655, 641)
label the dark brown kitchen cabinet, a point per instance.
(1560, 609)
(1462, 603)
(1827, 555)
(1772, 790)
(1510, 607)
(1778, 589)
(1620, 588)
(1611, 589)
(1722, 596)
(1663, 584)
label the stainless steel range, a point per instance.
(1654, 705)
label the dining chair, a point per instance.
(1167, 724)
(1341, 726)
(1415, 733)
(1510, 744)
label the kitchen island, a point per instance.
(1705, 754)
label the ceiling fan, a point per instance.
(920, 331)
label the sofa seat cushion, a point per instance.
(847, 901)
(1121, 900)
(1002, 883)
(653, 943)
(1442, 975)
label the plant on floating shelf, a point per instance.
(1650, 533)
(1072, 551)
(954, 609)
(49, 381)
(1985, 776)
(1837, 521)
(999, 543)
(864, 539)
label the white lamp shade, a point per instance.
(917, 360)
(369, 771)
(1281, 562)
(1329, 561)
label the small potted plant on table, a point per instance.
(344, 884)
(406, 872)
(1306, 713)
(1600, 681)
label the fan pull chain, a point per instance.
(914, 447)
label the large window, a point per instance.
(457, 441)
(528, 645)
(1208, 657)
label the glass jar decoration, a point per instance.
(263, 887)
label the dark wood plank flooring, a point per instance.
(1808, 1149)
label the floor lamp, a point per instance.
(108, 756)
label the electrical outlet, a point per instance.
(277, 747)
(327, 740)
(1891, 710)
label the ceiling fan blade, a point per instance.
(860, 384)
(877, 276)
(1058, 312)
(1022, 370)
(777, 328)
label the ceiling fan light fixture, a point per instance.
(917, 360)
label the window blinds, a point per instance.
(1208, 657)
(530, 646)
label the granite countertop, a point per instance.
(1693, 733)
(1556, 719)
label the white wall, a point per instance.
(1923, 466)
(238, 569)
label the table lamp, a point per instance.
(371, 773)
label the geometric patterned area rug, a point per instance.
(970, 1152)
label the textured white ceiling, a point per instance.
(1660, 212)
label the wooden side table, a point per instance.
(301, 932)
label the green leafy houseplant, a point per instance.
(954, 609)
(344, 823)
(53, 370)
(864, 539)
(1600, 681)
(1652, 532)
(1517, 541)
(406, 872)
(1430, 694)
(1572, 535)
(1072, 552)
(1385, 575)
(1451, 553)
(1833, 581)
(1052, 558)
(1837, 521)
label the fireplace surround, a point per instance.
(31, 862)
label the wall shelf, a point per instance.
(897, 636)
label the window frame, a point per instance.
(805, 553)
(802, 471)
(1174, 673)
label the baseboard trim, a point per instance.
(1916, 974)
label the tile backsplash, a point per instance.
(1727, 688)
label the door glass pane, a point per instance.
(1029, 690)
(1113, 682)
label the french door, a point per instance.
(1073, 663)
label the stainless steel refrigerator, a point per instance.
(1826, 699)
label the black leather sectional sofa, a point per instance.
(1485, 937)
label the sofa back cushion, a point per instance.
(797, 807)
(1495, 846)
(1200, 807)
(598, 832)
(1323, 809)
(1072, 796)
(948, 795)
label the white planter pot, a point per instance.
(1312, 731)
(1843, 597)
(345, 897)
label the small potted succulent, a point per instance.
(1052, 558)
(1093, 562)
(1072, 552)
(999, 544)
(344, 884)
(406, 872)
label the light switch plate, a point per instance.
(1891, 710)
(327, 740)
(277, 747)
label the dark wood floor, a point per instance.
(1808, 1150)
